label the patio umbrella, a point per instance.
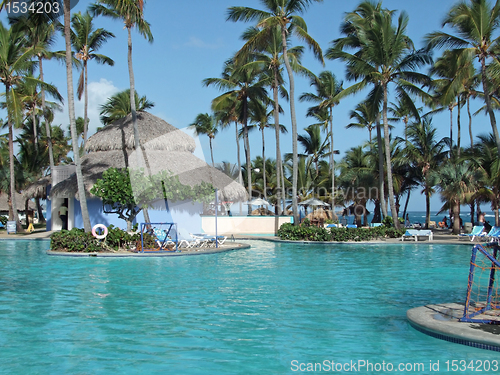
(259, 202)
(314, 202)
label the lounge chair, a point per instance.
(493, 234)
(413, 234)
(477, 231)
(209, 240)
(187, 240)
(163, 242)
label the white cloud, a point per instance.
(98, 93)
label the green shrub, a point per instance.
(3, 220)
(76, 240)
(310, 233)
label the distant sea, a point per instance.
(419, 217)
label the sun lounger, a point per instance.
(163, 242)
(187, 240)
(477, 232)
(210, 240)
(351, 226)
(413, 234)
(493, 234)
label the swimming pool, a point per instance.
(252, 311)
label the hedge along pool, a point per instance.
(270, 309)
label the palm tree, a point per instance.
(86, 41)
(329, 91)
(384, 54)
(283, 14)
(404, 110)
(364, 118)
(15, 62)
(206, 124)
(118, 106)
(265, 48)
(41, 36)
(455, 84)
(314, 146)
(71, 109)
(483, 157)
(426, 154)
(132, 14)
(243, 84)
(28, 94)
(455, 182)
(475, 23)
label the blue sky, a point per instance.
(192, 39)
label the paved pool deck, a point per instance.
(442, 321)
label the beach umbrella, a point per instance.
(314, 202)
(259, 202)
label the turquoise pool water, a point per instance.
(245, 312)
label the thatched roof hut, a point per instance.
(20, 203)
(38, 189)
(170, 150)
(154, 134)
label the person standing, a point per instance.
(63, 214)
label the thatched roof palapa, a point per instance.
(171, 150)
(154, 134)
(20, 202)
(38, 189)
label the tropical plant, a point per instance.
(285, 15)
(329, 91)
(455, 182)
(243, 84)
(86, 40)
(206, 124)
(118, 106)
(384, 55)
(15, 62)
(426, 154)
(475, 23)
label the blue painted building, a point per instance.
(163, 147)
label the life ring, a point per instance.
(99, 236)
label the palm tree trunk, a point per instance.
(137, 146)
(293, 119)
(71, 108)
(47, 125)
(458, 127)
(41, 218)
(456, 216)
(332, 158)
(487, 99)
(132, 94)
(211, 150)
(13, 216)
(240, 175)
(390, 187)
(451, 129)
(406, 204)
(26, 209)
(278, 152)
(85, 108)
(35, 130)
(247, 152)
(283, 195)
(470, 123)
(264, 165)
(427, 206)
(381, 170)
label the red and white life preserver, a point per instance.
(100, 236)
